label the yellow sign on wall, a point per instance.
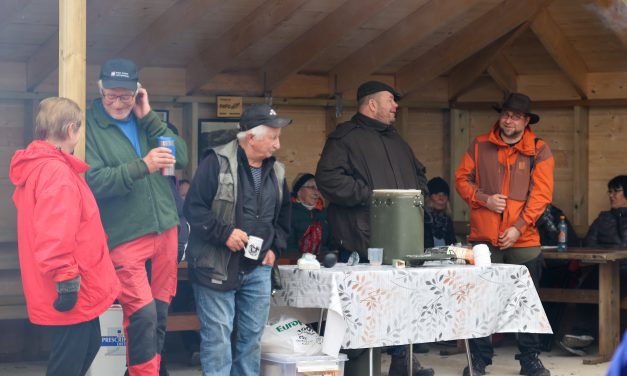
(230, 107)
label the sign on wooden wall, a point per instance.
(229, 107)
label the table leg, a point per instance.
(320, 320)
(410, 359)
(370, 367)
(609, 312)
(470, 370)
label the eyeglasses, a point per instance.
(125, 98)
(513, 115)
(310, 187)
(613, 191)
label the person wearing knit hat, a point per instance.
(439, 228)
(309, 226)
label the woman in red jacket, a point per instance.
(67, 274)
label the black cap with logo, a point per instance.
(261, 114)
(116, 73)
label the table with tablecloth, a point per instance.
(374, 306)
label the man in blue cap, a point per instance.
(136, 205)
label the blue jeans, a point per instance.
(240, 315)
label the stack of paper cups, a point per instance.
(482, 255)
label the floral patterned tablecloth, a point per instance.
(375, 306)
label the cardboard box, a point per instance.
(302, 365)
(111, 358)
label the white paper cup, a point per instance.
(481, 253)
(375, 256)
(253, 247)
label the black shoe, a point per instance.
(530, 365)
(398, 367)
(478, 367)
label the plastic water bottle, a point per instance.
(562, 235)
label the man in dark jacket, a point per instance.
(363, 154)
(238, 191)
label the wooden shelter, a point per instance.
(451, 59)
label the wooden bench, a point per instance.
(608, 296)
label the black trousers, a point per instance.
(74, 348)
(528, 343)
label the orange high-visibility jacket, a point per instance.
(523, 172)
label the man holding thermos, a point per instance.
(136, 205)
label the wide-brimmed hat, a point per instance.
(519, 103)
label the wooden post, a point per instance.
(402, 118)
(190, 124)
(459, 141)
(72, 58)
(580, 167)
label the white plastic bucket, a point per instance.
(111, 358)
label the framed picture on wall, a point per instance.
(163, 114)
(214, 132)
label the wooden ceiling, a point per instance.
(577, 45)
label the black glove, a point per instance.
(68, 294)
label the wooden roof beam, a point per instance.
(562, 51)
(10, 10)
(615, 12)
(38, 66)
(405, 34)
(178, 18)
(504, 74)
(464, 75)
(495, 23)
(221, 54)
(303, 49)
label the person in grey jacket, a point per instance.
(239, 190)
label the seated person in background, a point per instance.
(609, 230)
(438, 222)
(309, 227)
(183, 188)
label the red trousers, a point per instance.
(145, 303)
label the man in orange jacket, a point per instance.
(506, 177)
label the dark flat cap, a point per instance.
(372, 87)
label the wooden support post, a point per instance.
(190, 124)
(402, 117)
(331, 120)
(580, 167)
(72, 58)
(459, 141)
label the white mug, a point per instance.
(481, 253)
(253, 247)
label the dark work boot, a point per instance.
(530, 365)
(398, 367)
(478, 367)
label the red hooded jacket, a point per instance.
(60, 235)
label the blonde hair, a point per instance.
(54, 117)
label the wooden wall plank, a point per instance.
(580, 165)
